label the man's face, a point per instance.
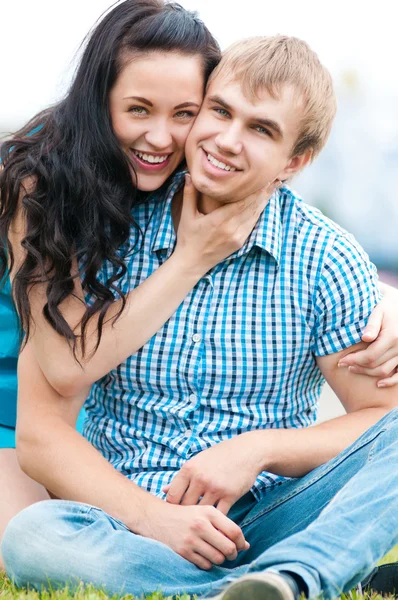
(237, 146)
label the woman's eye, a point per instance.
(138, 110)
(185, 114)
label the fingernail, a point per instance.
(381, 384)
(353, 369)
(342, 364)
(367, 332)
(188, 179)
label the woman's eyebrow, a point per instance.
(139, 99)
(186, 104)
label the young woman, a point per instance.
(67, 192)
(69, 181)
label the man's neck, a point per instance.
(206, 204)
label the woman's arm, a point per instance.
(52, 452)
(202, 242)
(380, 358)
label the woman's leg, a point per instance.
(17, 490)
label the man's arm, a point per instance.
(302, 450)
(224, 473)
(53, 453)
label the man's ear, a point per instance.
(296, 164)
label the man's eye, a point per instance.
(138, 110)
(263, 130)
(221, 111)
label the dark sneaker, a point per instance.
(382, 580)
(261, 586)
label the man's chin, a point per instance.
(207, 187)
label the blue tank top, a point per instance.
(9, 348)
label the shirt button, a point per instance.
(188, 432)
(196, 337)
(193, 397)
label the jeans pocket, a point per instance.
(101, 514)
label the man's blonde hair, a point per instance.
(272, 62)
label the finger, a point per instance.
(177, 488)
(192, 494)
(166, 488)
(389, 382)
(373, 326)
(209, 552)
(230, 529)
(220, 542)
(385, 370)
(224, 505)
(190, 197)
(373, 356)
(209, 499)
(199, 561)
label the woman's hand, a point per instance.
(205, 240)
(380, 358)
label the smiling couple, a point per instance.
(201, 315)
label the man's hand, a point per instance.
(380, 358)
(200, 534)
(218, 476)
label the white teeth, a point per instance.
(219, 164)
(150, 158)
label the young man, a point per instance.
(214, 410)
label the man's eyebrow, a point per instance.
(139, 99)
(271, 125)
(218, 100)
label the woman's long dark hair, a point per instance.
(67, 171)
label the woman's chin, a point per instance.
(152, 181)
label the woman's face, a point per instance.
(153, 105)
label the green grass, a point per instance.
(9, 592)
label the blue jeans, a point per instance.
(329, 527)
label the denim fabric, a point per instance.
(329, 527)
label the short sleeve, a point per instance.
(345, 296)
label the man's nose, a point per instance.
(229, 140)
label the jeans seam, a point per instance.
(374, 444)
(316, 478)
(82, 507)
(107, 515)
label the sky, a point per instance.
(39, 40)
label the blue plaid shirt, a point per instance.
(239, 353)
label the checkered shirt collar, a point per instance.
(266, 235)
